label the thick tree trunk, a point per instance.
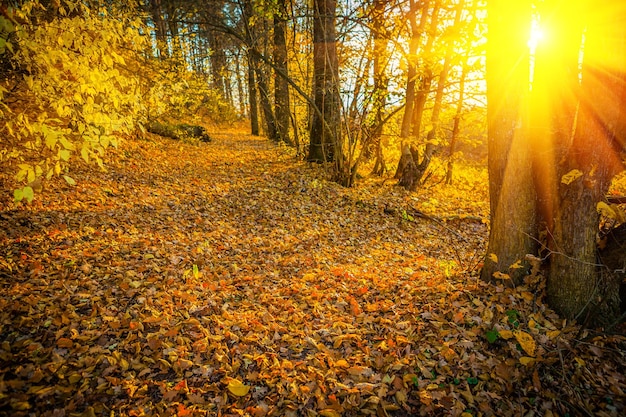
(512, 196)
(325, 144)
(281, 85)
(575, 289)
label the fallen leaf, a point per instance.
(237, 388)
(526, 341)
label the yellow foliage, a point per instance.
(80, 92)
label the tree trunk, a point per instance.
(266, 104)
(240, 84)
(457, 122)
(252, 99)
(217, 60)
(512, 196)
(416, 34)
(421, 97)
(613, 269)
(281, 85)
(420, 169)
(172, 24)
(325, 144)
(426, 77)
(575, 289)
(160, 29)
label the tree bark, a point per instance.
(160, 29)
(265, 101)
(381, 85)
(512, 197)
(281, 85)
(457, 122)
(325, 143)
(416, 34)
(575, 289)
(217, 60)
(252, 98)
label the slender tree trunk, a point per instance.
(381, 83)
(421, 97)
(457, 122)
(416, 34)
(218, 61)
(266, 103)
(281, 85)
(252, 98)
(325, 144)
(412, 173)
(240, 83)
(407, 163)
(172, 24)
(512, 196)
(431, 137)
(160, 29)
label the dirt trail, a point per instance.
(231, 279)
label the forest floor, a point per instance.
(232, 279)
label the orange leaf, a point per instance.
(64, 342)
(183, 411)
(182, 385)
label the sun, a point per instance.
(536, 36)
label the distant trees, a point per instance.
(340, 80)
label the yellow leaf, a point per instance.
(505, 334)
(74, 378)
(329, 412)
(517, 265)
(526, 341)
(401, 396)
(409, 378)
(525, 360)
(571, 176)
(341, 363)
(501, 275)
(606, 210)
(493, 257)
(553, 334)
(237, 388)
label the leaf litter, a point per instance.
(231, 279)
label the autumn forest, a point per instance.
(312, 208)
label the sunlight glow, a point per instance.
(537, 35)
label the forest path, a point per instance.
(229, 276)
